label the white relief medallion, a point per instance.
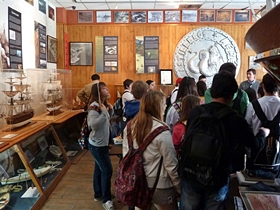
(203, 51)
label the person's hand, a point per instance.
(110, 106)
(266, 131)
(103, 107)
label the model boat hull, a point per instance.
(25, 176)
(17, 120)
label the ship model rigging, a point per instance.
(18, 110)
(52, 94)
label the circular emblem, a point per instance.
(203, 51)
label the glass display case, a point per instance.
(28, 93)
(31, 168)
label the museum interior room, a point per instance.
(51, 48)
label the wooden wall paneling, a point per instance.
(169, 36)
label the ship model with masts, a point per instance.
(18, 110)
(52, 94)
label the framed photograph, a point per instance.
(189, 15)
(51, 13)
(30, 2)
(138, 17)
(172, 16)
(155, 16)
(103, 17)
(207, 16)
(42, 142)
(51, 49)
(81, 53)
(165, 77)
(241, 15)
(42, 6)
(224, 15)
(85, 17)
(252, 64)
(121, 17)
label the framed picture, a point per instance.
(42, 6)
(252, 64)
(189, 15)
(155, 16)
(121, 17)
(172, 16)
(224, 15)
(42, 142)
(207, 16)
(138, 17)
(103, 17)
(241, 16)
(85, 17)
(81, 53)
(51, 49)
(165, 77)
(30, 2)
(51, 13)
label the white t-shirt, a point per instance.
(270, 106)
(127, 96)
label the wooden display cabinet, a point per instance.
(32, 162)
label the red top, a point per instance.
(178, 131)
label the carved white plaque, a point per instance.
(203, 51)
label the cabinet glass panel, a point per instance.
(43, 151)
(17, 190)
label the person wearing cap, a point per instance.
(175, 91)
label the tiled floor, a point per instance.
(75, 190)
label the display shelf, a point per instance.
(34, 162)
(31, 92)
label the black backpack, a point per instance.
(204, 154)
(118, 107)
(168, 103)
(268, 158)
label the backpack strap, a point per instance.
(237, 100)
(259, 112)
(148, 139)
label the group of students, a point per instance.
(148, 108)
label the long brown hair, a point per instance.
(95, 93)
(150, 106)
(188, 103)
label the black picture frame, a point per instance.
(165, 77)
(51, 49)
(80, 53)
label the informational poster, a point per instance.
(106, 54)
(147, 54)
(14, 48)
(40, 46)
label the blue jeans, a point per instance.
(102, 172)
(194, 197)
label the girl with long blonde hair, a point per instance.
(150, 117)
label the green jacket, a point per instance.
(243, 103)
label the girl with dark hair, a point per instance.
(187, 87)
(98, 120)
(188, 103)
(150, 117)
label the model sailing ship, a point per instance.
(18, 110)
(52, 94)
